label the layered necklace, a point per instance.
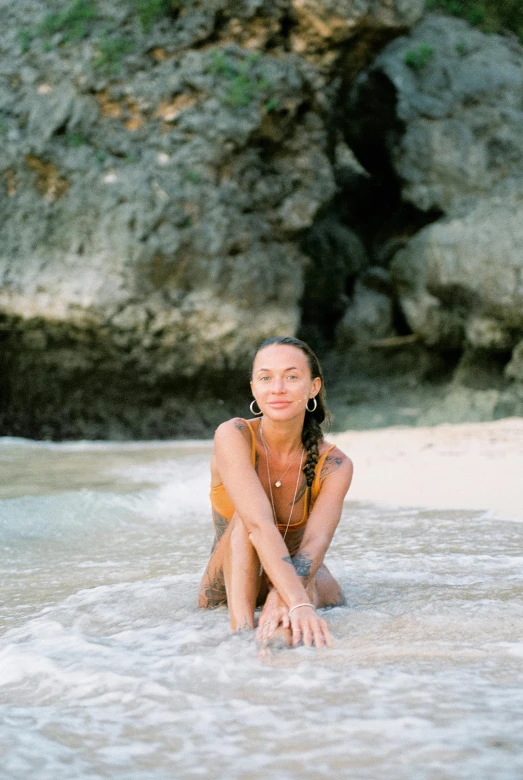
(278, 481)
(266, 447)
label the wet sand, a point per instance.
(459, 466)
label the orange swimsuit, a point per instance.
(222, 503)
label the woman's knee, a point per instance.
(328, 590)
(239, 534)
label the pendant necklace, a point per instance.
(278, 485)
(265, 446)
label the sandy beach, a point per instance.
(466, 466)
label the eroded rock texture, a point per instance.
(451, 127)
(158, 175)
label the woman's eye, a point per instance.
(292, 376)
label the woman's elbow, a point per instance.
(256, 533)
(250, 525)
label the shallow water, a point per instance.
(107, 669)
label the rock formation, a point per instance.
(160, 164)
(180, 180)
(450, 126)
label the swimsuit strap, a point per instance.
(313, 491)
(315, 487)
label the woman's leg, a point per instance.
(232, 576)
(324, 590)
(241, 569)
(212, 586)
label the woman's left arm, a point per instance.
(324, 518)
(321, 525)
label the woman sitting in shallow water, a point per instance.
(277, 490)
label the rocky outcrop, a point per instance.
(160, 164)
(370, 317)
(450, 127)
(459, 280)
(453, 113)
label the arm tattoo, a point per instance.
(302, 564)
(240, 425)
(332, 463)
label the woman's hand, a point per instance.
(305, 623)
(275, 613)
(308, 626)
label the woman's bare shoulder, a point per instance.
(230, 428)
(228, 446)
(336, 459)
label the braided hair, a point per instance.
(312, 433)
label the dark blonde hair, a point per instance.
(312, 433)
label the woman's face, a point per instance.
(281, 381)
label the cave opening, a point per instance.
(355, 237)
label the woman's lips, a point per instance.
(279, 404)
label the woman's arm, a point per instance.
(233, 459)
(321, 525)
(324, 517)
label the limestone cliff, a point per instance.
(450, 126)
(160, 163)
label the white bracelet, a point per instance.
(304, 604)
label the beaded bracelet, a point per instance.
(304, 604)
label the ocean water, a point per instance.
(108, 669)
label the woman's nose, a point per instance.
(279, 385)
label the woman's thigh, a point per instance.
(212, 585)
(212, 592)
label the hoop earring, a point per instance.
(314, 407)
(256, 414)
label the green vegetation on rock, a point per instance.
(75, 139)
(246, 83)
(72, 22)
(492, 16)
(111, 52)
(418, 57)
(150, 11)
(78, 19)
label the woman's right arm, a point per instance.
(233, 458)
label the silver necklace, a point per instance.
(270, 485)
(266, 446)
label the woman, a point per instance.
(277, 490)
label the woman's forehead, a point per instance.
(280, 356)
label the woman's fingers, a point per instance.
(306, 626)
(264, 631)
(310, 629)
(329, 641)
(307, 636)
(270, 622)
(296, 634)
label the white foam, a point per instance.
(109, 670)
